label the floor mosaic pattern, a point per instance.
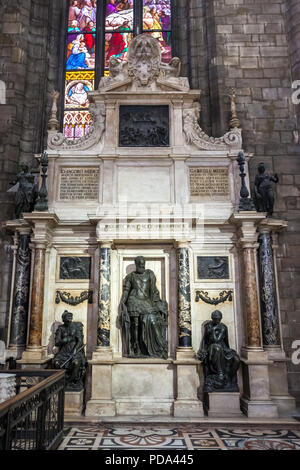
(163, 437)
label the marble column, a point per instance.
(37, 301)
(256, 400)
(35, 351)
(268, 301)
(104, 295)
(101, 402)
(187, 403)
(251, 295)
(270, 315)
(19, 318)
(184, 297)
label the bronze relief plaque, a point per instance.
(144, 126)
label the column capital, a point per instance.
(272, 225)
(182, 243)
(246, 223)
(105, 243)
(242, 217)
(24, 231)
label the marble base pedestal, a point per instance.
(256, 400)
(224, 405)
(101, 402)
(144, 387)
(73, 403)
(278, 382)
(187, 404)
(34, 358)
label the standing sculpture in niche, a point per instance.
(26, 194)
(143, 314)
(264, 194)
(71, 355)
(220, 363)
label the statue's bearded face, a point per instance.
(67, 318)
(140, 265)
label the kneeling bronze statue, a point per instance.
(220, 363)
(71, 355)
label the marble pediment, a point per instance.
(145, 80)
(144, 71)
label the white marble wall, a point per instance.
(7, 387)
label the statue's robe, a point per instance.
(142, 301)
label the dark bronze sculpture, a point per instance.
(71, 355)
(26, 194)
(220, 363)
(144, 316)
(264, 194)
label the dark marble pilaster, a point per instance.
(104, 295)
(19, 318)
(184, 297)
(267, 284)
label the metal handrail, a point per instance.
(34, 418)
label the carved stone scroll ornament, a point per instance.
(58, 140)
(67, 298)
(223, 297)
(194, 135)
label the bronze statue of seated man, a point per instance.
(71, 355)
(143, 314)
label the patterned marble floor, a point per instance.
(183, 437)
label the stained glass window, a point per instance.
(97, 30)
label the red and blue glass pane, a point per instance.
(157, 20)
(80, 66)
(118, 29)
(82, 15)
(81, 49)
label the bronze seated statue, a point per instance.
(144, 316)
(220, 363)
(71, 355)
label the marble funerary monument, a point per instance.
(147, 183)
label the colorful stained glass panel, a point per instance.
(164, 39)
(81, 52)
(82, 14)
(78, 84)
(119, 15)
(76, 124)
(116, 45)
(157, 14)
